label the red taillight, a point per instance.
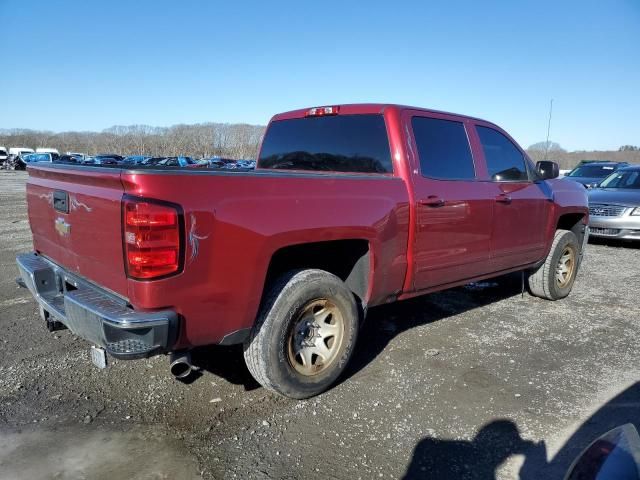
(152, 238)
(322, 111)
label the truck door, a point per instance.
(453, 210)
(522, 206)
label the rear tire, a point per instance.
(554, 279)
(304, 335)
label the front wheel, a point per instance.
(554, 279)
(304, 335)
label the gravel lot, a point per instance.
(475, 382)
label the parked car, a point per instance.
(69, 159)
(219, 162)
(3, 155)
(21, 161)
(48, 150)
(107, 159)
(349, 207)
(177, 162)
(134, 160)
(79, 156)
(15, 152)
(248, 164)
(614, 206)
(591, 173)
(152, 161)
(101, 159)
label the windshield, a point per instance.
(594, 171)
(342, 143)
(622, 179)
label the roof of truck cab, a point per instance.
(368, 108)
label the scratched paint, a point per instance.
(77, 204)
(194, 238)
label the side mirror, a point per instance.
(547, 170)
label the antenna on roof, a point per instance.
(546, 149)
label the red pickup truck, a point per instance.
(350, 207)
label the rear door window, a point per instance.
(338, 143)
(505, 161)
(443, 148)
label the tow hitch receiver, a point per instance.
(98, 357)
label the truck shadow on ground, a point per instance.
(382, 325)
(495, 442)
(385, 322)
(224, 362)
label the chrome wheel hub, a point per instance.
(316, 337)
(565, 267)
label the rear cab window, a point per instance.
(334, 143)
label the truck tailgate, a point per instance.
(75, 216)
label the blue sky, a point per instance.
(87, 65)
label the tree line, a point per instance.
(567, 160)
(227, 140)
(200, 140)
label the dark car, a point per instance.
(219, 162)
(614, 207)
(152, 161)
(134, 160)
(177, 162)
(591, 173)
(68, 159)
(171, 162)
(107, 159)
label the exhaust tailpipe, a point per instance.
(180, 365)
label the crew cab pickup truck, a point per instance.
(350, 207)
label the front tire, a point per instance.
(304, 335)
(554, 279)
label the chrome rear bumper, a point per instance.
(95, 314)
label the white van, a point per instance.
(3, 154)
(47, 150)
(15, 151)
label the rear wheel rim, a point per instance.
(566, 266)
(316, 337)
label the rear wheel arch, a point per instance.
(349, 260)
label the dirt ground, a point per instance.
(475, 382)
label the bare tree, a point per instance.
(199, 140)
